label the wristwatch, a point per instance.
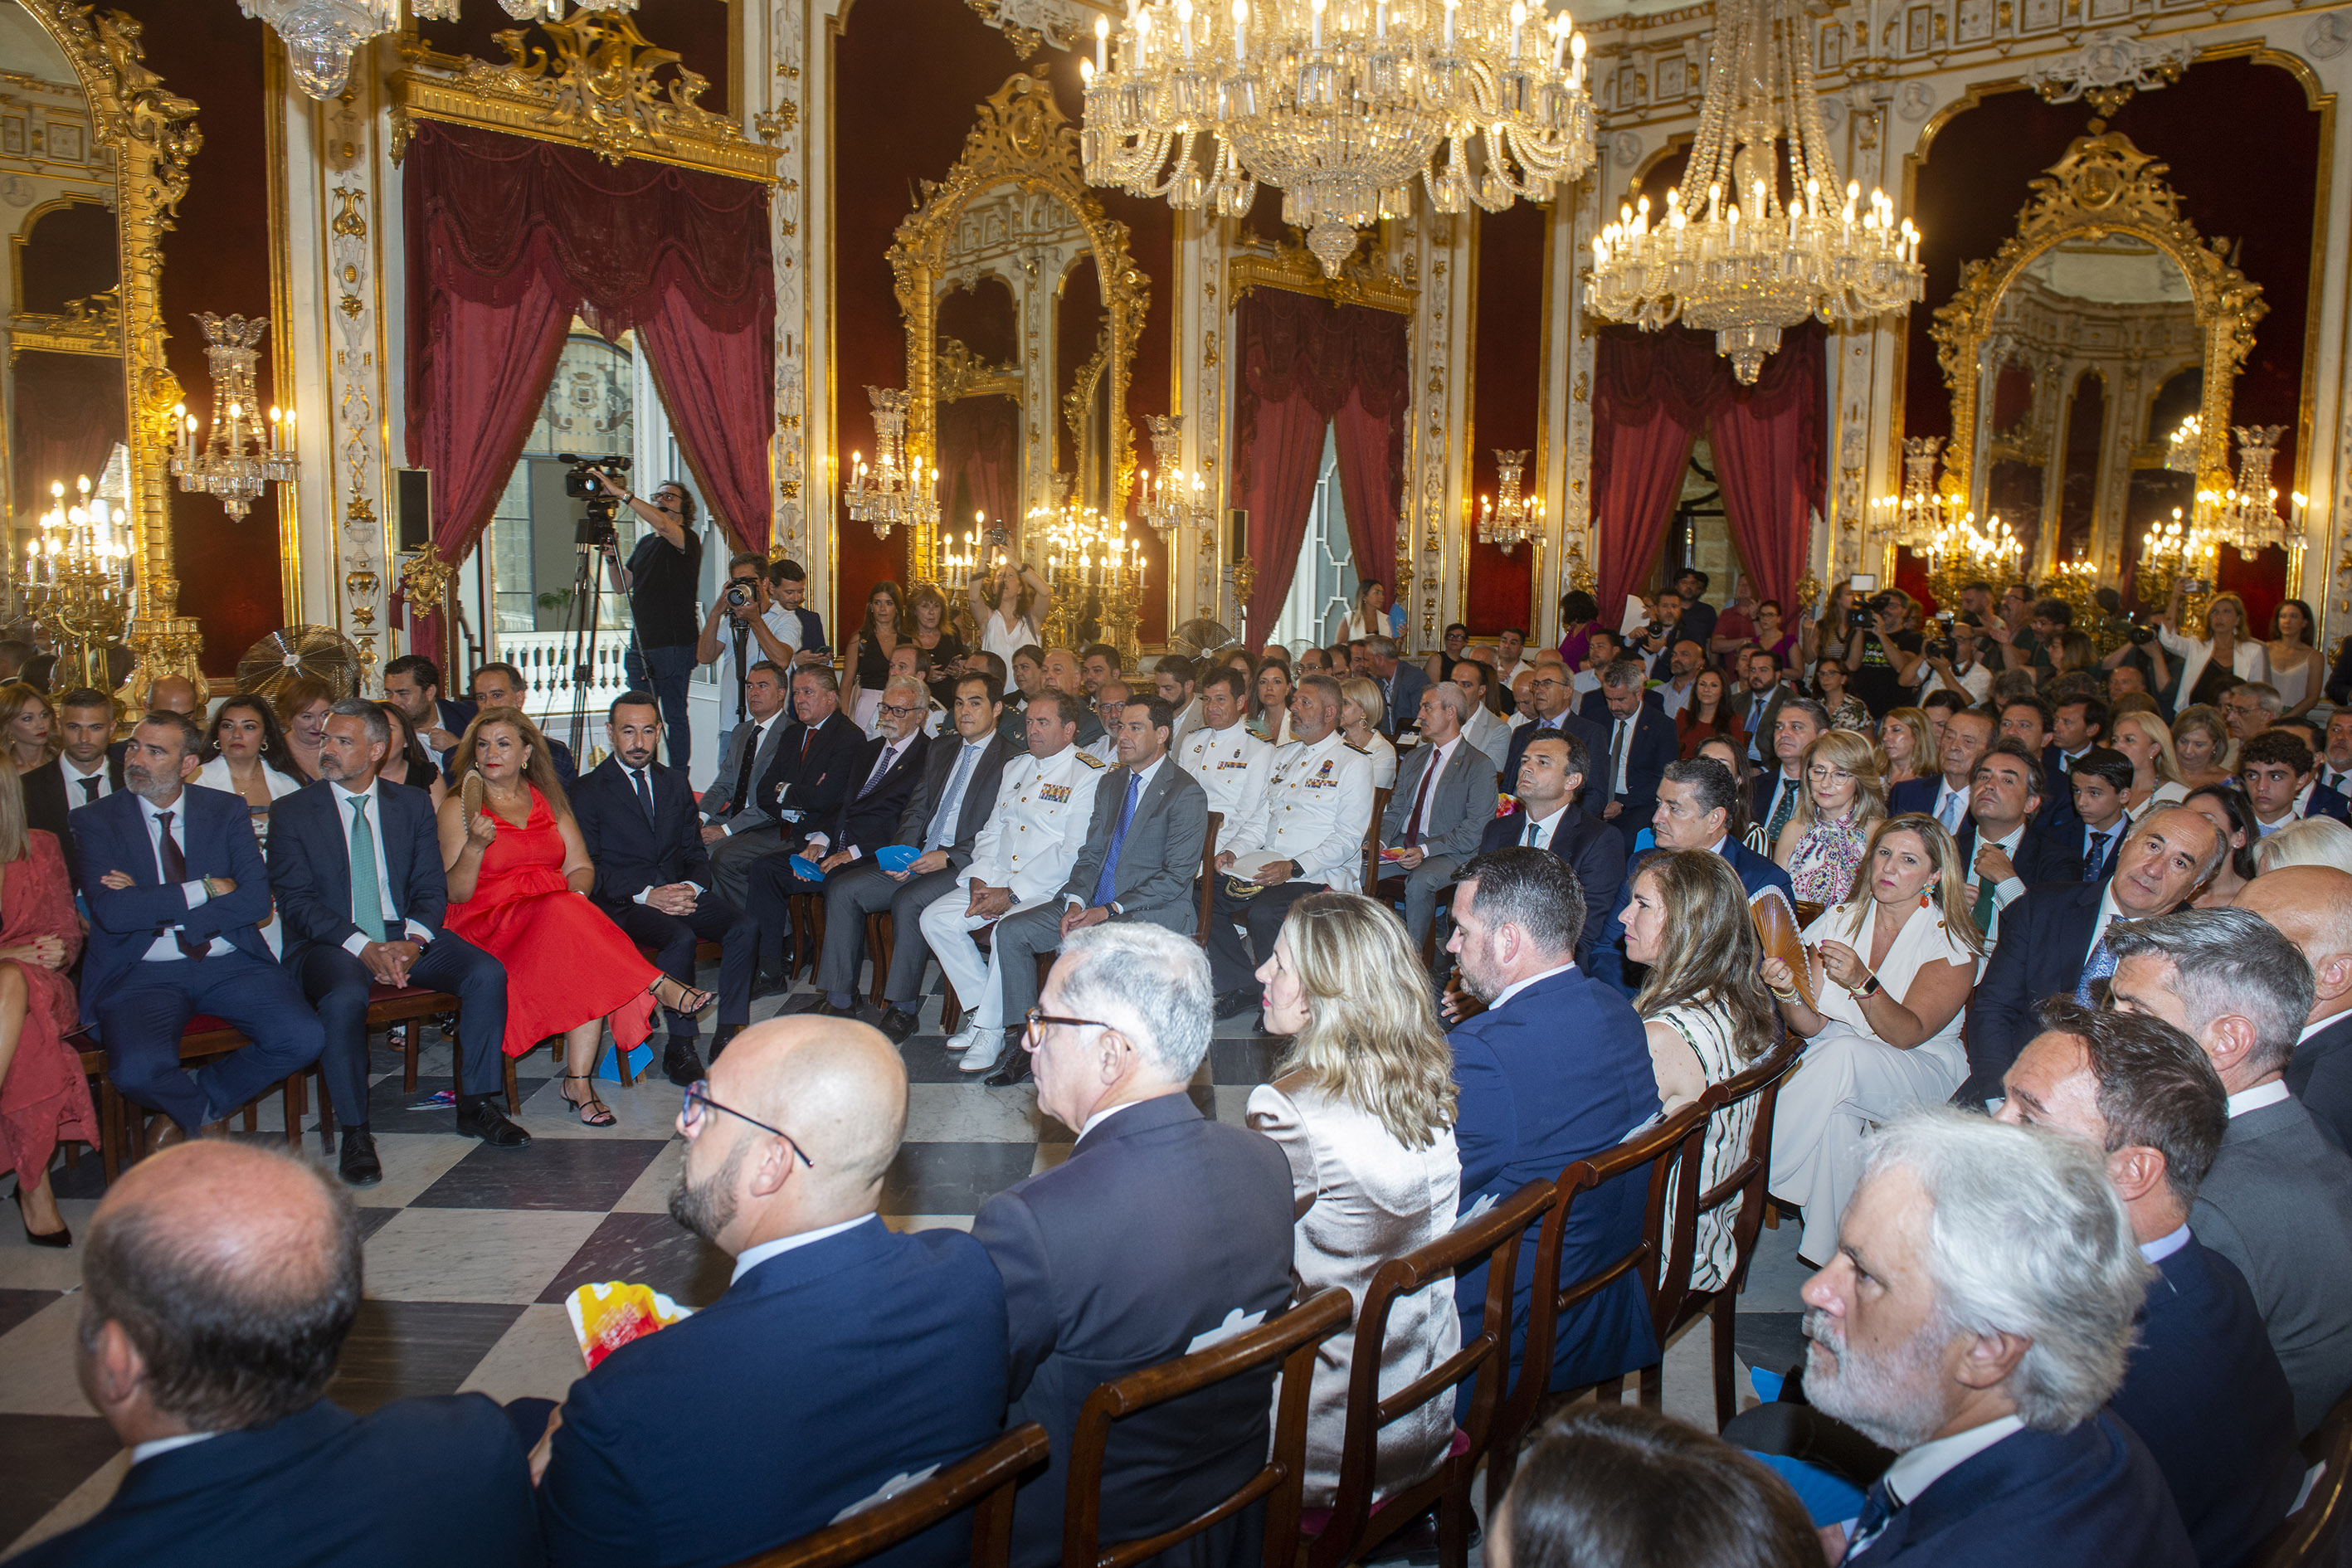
(1297, 869)
(1869, 988)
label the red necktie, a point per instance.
(175, 871)
(1412, 823)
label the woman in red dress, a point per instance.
(44, 1099)
(519, 881)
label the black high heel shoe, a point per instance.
(61, 1237)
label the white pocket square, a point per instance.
(1237, 1322)
(889, 1489)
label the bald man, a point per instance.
(176, 694)
(2312, 906)
(219, 1281)
(843, 1357)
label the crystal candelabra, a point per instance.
(1341, 105)
(321, 36)
(1170, 499)
(1090, 560)
(1507, 518)
(2176, 551)
(1959, 552)
(898, 489)
(2245, 516)
(234, 461)
(1740, 265)
(2182, 449)
(1915, 518)
(77, 583)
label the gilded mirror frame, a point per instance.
(1022, 140)
(153, 134)
(2102, 186)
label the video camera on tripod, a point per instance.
(588, 479)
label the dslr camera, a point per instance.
(739, 592)
(2141, 636)
(586, 479)
(1944, 645)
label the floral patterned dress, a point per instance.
(1822, 867)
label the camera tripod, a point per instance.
(583, 622)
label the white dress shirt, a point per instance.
(1508, 991)
(1545, 827)
(2108, 914)
(2254, 1099)
(750, 1257)
(1432, 776)
(759, 727)
(1924, 1465)
(781, 624)
(154, 1445)
(165, 948)
(2163, 1247)
(78, 796)
(358, 940)
(1676, 698)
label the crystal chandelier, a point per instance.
(78, 580)
(2181, 449)
(1340, 104)
(1172, 499)
(1507, 518)
(1914, 518)
(2246, 515)
(895, 490)
(236, 460)
(321, 36)
(1744, 264)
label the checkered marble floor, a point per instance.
(471, 1250)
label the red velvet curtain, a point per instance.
(980, 442)
(68, 415)
(1652, 392)
(507, 239)
(1306, 362)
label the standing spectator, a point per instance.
(414, 682)
(943, 650)
(883, 628)
(743, 629)
(663, 576)
(1577, 611)
(1880, 653)
(1640, 744)
(1759, 700)
(787, 590)
(1698, 617)
(1362, 1106)
(1017, 600)
(1371, 615)
(2209, 663)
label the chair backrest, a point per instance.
(1373, 839)
(987, 1479)
(1291, 1339)
(1492, 1240)
(1208, 884)
(1668, 1151)
(1743, 1182)
(2309, 1536)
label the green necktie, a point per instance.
(1983, 909)
(367, 893)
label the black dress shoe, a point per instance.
(808, 1001)
(828, 1010)
(359, 1166)
(61, 1237)
(1013, 1070)
(681, 1065)
(479, 1116)
(1233, 1004)
(898, 1023)
(766, 984)
(719, 1041)
(1416, 1543)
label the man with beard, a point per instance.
(844, 1359)
(1976, 1318)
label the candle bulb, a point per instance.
(1102, 42)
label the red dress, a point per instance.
(45, 1099)
(566, 961)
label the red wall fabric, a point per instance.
(1508, 339)
(70, 412)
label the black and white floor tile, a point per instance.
(471, 1250)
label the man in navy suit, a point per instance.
(1968, 1248)
(2282, 782)
(1401, 685)
(885, 769)
(177, 891)
(1550, 697)
(502, 686)
(1552, 767)
(2203, 1389)
(1968, 735)
(2312, 906)
(2097, 781)
(1635, 752)
(1104, 1275)
(2053, 940)
(812, 771)
(638, 821)
(1779, 785)
(356, 866)
(1556, 1070)
(845, 1361)
(2003, 842)
(219, 1281)
(411, 683)
(83, 771)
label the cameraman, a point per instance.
(1952, 663)
(1879, 653)
(1656, 640)
(663, 574)
(741, 618)
(2144, 651)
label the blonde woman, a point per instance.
(1361, 708)
(1844, 797)
(2314, 841)
(2156, 770)
(2225, 649)
(1909, 746)
(2200, 746)
(1893, 969)
(1363, 1107)
(1706, 1012)
(519, 881)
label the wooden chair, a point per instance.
(1356, 1522)
(1208, 877)
(2314, 1534)
(808, 934)
(1743, 1185)
(1291, 1339)
(984, 1483)
(1668, 1151)
(879, 935)
(1372, 840)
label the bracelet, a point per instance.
(1782, 995)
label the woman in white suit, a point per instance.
(1364, 1109)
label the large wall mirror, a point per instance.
(2077, 353)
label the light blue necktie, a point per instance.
(2100, 965)
(1117, 841)
(1877, 1512)
(944, 819)
(367, 893)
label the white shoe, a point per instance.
(981, 1054)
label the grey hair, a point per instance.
(1380, 647)
(2229, 961)
(1624, 673)
(379, 728)
(2314, 841)
(2266, 695)
(912, 688)
(2025, 1236)
(823, 674)
(1149, 984)
(1452, 696)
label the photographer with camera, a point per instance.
(2142, 650)
(1878, 652)
(1656, 640)
(661, 578)
(743, 628)
(1951, 661)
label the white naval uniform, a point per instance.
(1030, 842)
(1319, 804)
(1231, 765)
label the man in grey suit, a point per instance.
(1142, 855)
(1443, 799)
(734, 827)
(943, 818)
(1483, 728)
(2278, 1201)
(1105, 1275)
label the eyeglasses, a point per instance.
(1036, 1018)
(698, 1105)
(897, 711)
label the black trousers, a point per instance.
(1231, 967)
(672, 938)
(337, 984)
(769, 886)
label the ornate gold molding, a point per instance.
(596, 89)
(964, 374)
(2102, 186)
(1362, 280)
(152, 135)
(91, 325)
